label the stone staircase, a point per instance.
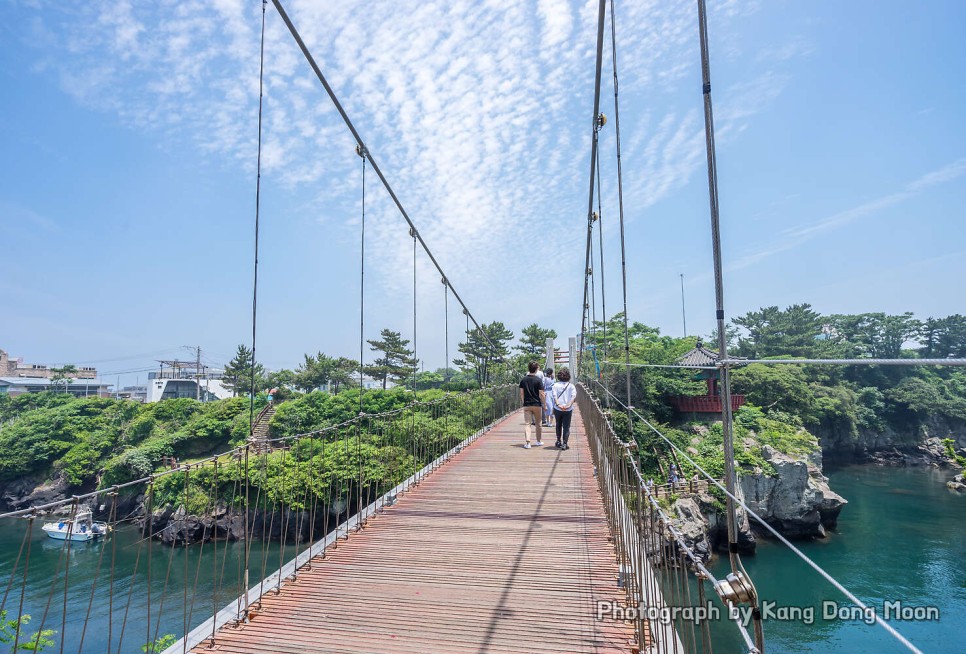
(259, 436)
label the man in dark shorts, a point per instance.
(533, 397)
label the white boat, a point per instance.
(82, 528)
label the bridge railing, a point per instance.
(667, 588)
(185, 543)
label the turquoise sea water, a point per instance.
(174, 602)
(901, 538)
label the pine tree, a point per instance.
(397, 361)
(238, 373)
(478, 353)
(533, 341)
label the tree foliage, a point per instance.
(397, 361)
(483, 348)
(238, 373)
(35, 642)
(63, 377)
(533, 341)
(83, 439)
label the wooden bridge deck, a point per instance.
(501, 550)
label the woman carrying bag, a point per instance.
(564, 395)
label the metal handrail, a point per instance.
(657, 567)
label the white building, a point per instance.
(165, 388)
(14, 386)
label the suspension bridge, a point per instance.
(426, 528)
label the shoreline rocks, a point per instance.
(957, 483)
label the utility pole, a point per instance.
(198, 373)
(684, 315)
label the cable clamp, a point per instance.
(735, 589)
(361, 150)
(412, 232)
(601, 120)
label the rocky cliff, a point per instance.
(793, 497)
(918, 443)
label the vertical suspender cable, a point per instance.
(415, 360)
(446, 329)
(360, 150)
(620, 205)
(416, 451)
(726, 417)
(593, 168)
(718, 280)
(258, 198)
(593, 282)
(603, 297)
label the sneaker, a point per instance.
(539, 443)
(557, 444)
(564, 447)
(526, 446)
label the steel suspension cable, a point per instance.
(593, 169)
(725, 373)
(446, 329)
(600, 242)
(13, 572)
(258, 204)
(362, 277)
(258, 195)
(368, 155)
(415, 359)
(593, 284)
(214, 548)
(620, 208)
(283, 524)
(60, 559)
(23, 585)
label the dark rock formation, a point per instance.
(796, 500)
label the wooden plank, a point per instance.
(501, 550)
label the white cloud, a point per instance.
(478, 113)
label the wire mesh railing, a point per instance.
(161, 563)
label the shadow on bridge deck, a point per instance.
(501, 550)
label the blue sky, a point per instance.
(128, 158)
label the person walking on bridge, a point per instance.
(564, 395)
(532, 396)
(548, 406)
